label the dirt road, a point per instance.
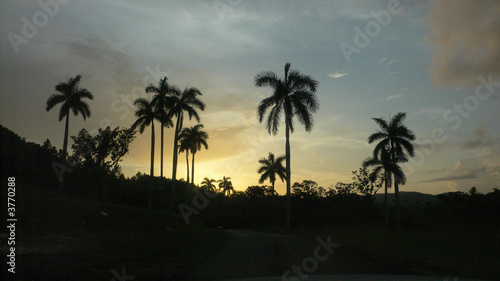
(251, 254)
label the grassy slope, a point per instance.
(66, 237)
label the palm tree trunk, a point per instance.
(385, 202)
(396, 186)
(65, 143)
(192, 168)
(396, 195)
(176, 140)
(288, 173)
(187, 166)
(161, 152)
(152, 167)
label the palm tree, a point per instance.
(185, 145)
(162, 104)
(147, 115)
(396, 138)
(187, 101)
(70, 95)
(226, 185)
(208, 184)
(294, 94)
(270, 168)
(383, 167)
(198, 139)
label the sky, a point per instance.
(437, 61)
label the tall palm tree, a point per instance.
(294, 95)
(187, 101)
(395, 137)
(384, 167)
(226, 185)
(208, 184)
(162, 104)
(271, 167)
(70, 95)
(147, 115)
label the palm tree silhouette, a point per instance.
(147, 115)
(162, 105)
(187, 101)
(294, 94)
(396, 138)
(185, 145)
(70, 95)
(226, 185)
(198, 139)
(384, 167)
(271, 167)
(208, 184)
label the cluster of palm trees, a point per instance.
(225, 185)
(167, 104)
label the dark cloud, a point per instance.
(467, 36)
(479, 139)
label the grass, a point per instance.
(72, 238)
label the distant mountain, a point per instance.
(410, 198)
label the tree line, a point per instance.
(293, 98)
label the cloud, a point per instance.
(391, 62)
(388, 98)
(382, 60)
(336, 75)
(466, 36)
(479, 139)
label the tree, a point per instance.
(185, 146)
(104, 150)
(147, 114)
(162, 103)
(308, 189)
(294, 95)
(198, 139)
(208, 184)
(395, 137)
(256, 191)
(70, 95)
(384, 168)
(187, 101)
(270, 168)
(226, 185)
(366, 183)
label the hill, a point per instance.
(63, 237)
(409, 198)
